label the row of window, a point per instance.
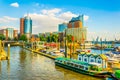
(75, 65)
(91, 60)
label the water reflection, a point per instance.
(25, 65)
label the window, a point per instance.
(80, 58)
(91, 60)
(86, 68)
(85, 59)
(99, 61)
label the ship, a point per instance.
(92, 69)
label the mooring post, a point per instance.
(8, 51)
(0, 46)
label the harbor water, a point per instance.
(25, 65)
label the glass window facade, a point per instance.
(27, 25)
(62, 27)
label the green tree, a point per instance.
(48, 39)
(23, 38)
(54, 38)
(9, 38)
(2, 37)
(15, 39)
(69, 38)
(42, 38)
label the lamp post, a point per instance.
(101, 44)
(65, 45)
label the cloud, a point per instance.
(4, 27)
(67, 15)
(7, 19)
(9, 22)
(51, 12)
(14, 4)
(48, 20)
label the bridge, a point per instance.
(13, 43)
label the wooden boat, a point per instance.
(81, 67)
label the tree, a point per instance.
(15, 39)
(42, 38)
(54, 38)
(23, 37)
(48, 39)
(2, 37)
(69, 38)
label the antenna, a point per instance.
(27, 13)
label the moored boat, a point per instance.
(92, 69)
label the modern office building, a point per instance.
(26, 26)
(9, 33)
(62, 27)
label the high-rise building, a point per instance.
(21, 26)
(62, 27)
(26, 26)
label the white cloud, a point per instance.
(67, 15)
(9, 22)
(4, 27)
(48, 20)
(51, 12)
(7, 19)
(14, 4)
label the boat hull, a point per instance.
(100, 75)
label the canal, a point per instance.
(25, 65)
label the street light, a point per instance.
(65, 45)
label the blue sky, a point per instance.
(102, 15)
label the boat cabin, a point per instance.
(92, 58)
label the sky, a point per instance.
(101, 17)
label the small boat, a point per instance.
(92, 69)
(116, 75)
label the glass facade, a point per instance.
(62, 27)
(27, 25)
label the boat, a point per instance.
(92, 69)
